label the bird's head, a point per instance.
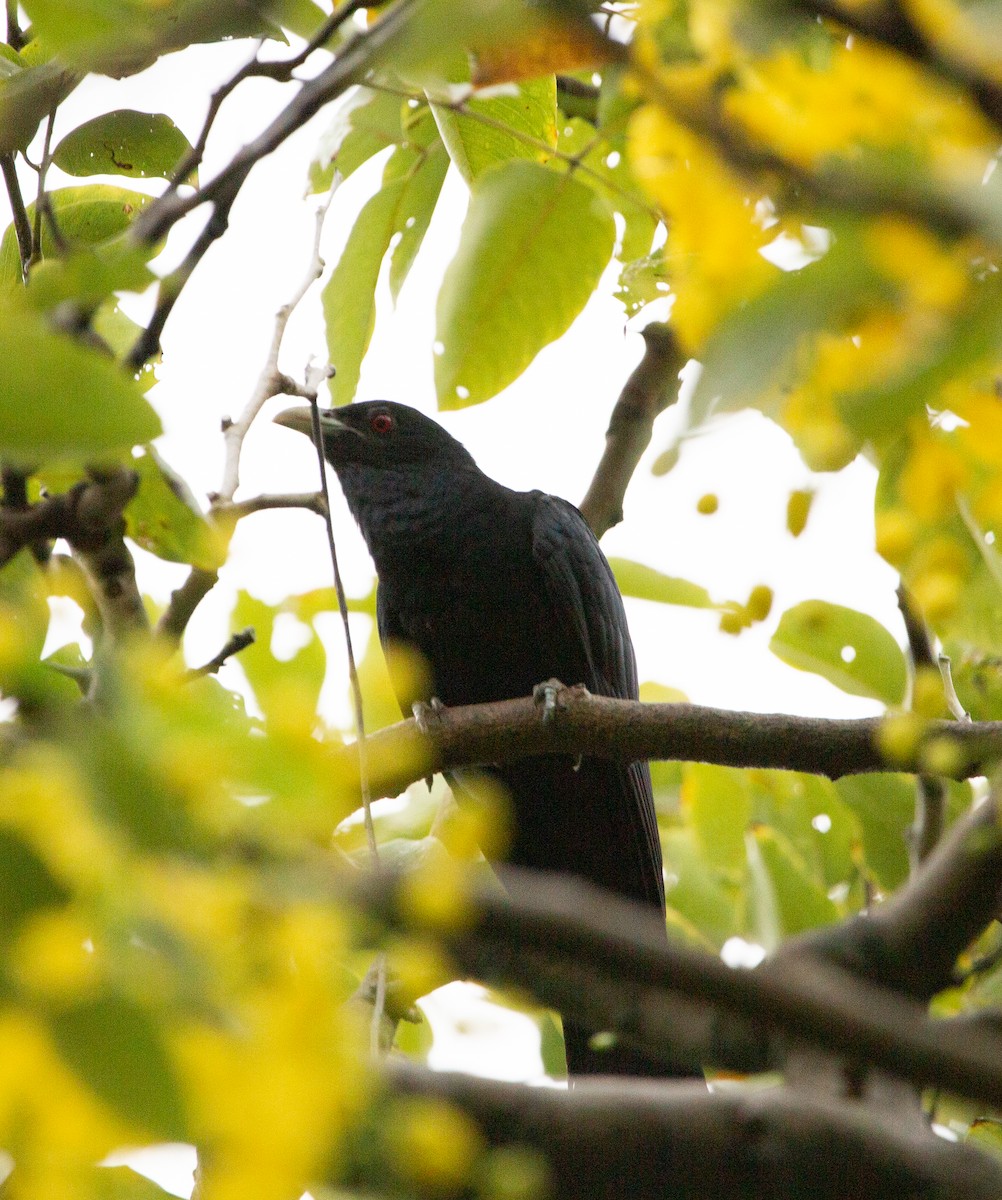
(378, 433)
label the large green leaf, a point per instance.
(123, 142)
(697, 891)
(502, 127)
(113, 1045)
(60, 399)
(798, 902)
(848, 648)
(121, 37)
(86, 216)
(416, 208)
(532, 250)
(717, 803)
(645, 583)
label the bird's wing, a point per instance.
(580, 586)
(585, 598)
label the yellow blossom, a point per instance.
(931, 477)
(54, 956)
(433, 1144)
(896, 531)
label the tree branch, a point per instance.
(628, 731)
(616, 1138)
(651, 388)
(604, 960)
(22, 226)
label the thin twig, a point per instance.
(22, 226)
(200, 582)
(239, 641)
(15, 37)
(953, 701)
(43, 205)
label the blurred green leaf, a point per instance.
(850, 649)
(123, 142)
(417, 204)
(518, 280)
(884, 804)
(27, 97)
(799, 902)
(646, 583)
(642, 281)
(42, 368)
(276, 682)
(121, 37)
(475, 145)
(115, 1048)
(165, 519)
(86, 215)
(717, 803)
(696, 891)
(122, 1183)
(26, 884)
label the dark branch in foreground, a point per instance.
(628, 731)
(650, 389)
(604, 960)
(611, 1139)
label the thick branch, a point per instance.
(89, 517)
(605, 960)
(628, 731)
(625, 1138)
(651, 388)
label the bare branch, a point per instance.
(651, 388)
(607, 1139)
(628, 731)
(312, 501)
(239, 641)
(22, 226)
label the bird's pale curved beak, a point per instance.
(301, 419)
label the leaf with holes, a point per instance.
(533, 248)
(124, 142)
(848, 648)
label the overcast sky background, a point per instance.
(545, 431)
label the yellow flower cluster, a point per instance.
(715, 234)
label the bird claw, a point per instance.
(425, 715)
(546, 695)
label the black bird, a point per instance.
(499, 591)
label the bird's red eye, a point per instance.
(381, 423)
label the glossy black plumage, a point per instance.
(500, 590)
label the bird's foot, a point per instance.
(546, 694)
(426, 715)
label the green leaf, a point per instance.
(751, 354)
(403, 206)
(41, 370)
(645, 583)
(364, 123)
(417, 204)
(121, 333)
(850, 649)
(27, 97)
(476, 145)
(164, 517)
(86, 216)
(642, 281)
(884, 804)
(123, 142)
(532, 250)
(121, 1183)
(26, 884)
(121, 37)
(696, 891)
(799, 902)
(114, 1047)
(349, 299)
